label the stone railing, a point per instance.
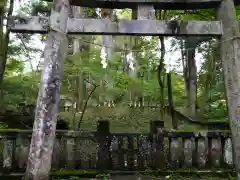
(101, 149)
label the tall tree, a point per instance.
(191, 74)
(160, 70)
(107, 42)
(4, 37)
(4, 41)
(189, 46)
(131, 66)
(78, 79)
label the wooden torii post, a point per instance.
(58, 25)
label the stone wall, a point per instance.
(122, 119)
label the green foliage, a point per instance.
(3, 3)
(14, 67)
(39, 7)
(19, 87)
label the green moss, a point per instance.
(74, 172)
(146, 172)
(197, 130)
(186, 129)
(10, 130)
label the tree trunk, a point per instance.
(2, 66)
(4, 38)
(230, 45)
(79, 88)
(192, 75)
(184, 64)
(126, 70)
(107, 42)
(161, 78)
(209, 81)
(133, 67)
(160, 74)
(43, 136)
(144, 13)
(2, 42)
(170, 101)
(190, 70)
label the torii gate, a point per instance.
(58, 25)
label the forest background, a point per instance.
(129, 73)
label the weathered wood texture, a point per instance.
(230, 45)
(158, 4)
(141, 27)
(41, 148)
